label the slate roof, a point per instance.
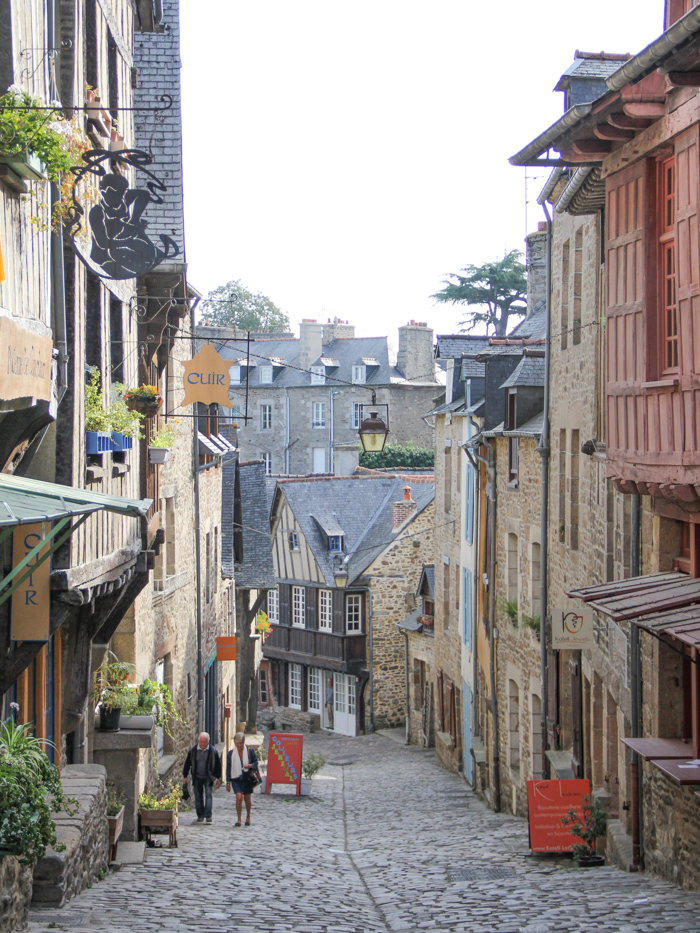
(361, 506)
(471, 369)
(453, 346)
(528, 372)
(532, 328)
(339, 356)
(257, 570)
(428, 575)
(411, 623)
(589, 68)
(531, 428)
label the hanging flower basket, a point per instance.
(146, 400)
(159, 455)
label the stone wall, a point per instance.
(394, 578)
(59, 876)
(421, 647)
(284, 719)
(15, 894)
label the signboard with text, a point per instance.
(30, 601)
(572, 629)
(207, 378)
(25, 362)
(547, 803)
(284, 759)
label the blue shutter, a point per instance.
(469, 504)
(467, 608)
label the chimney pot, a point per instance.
(407, 492)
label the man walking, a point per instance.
(204, 762)
(329, 702)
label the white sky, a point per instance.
(341, 157)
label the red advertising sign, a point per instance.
(547, 803)
(284, 760)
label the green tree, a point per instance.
(397, 457)
(498, 288)
(233, 305)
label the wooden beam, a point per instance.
(684, 78)
(592, 147)
(606, 131)
(627, 123)
(571, 157)
(648, 110)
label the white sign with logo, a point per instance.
(572, 628)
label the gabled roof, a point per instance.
(328, 524)
(471, 369)
(590, 66)
(427, 579)
(256, 570)
(360, 505)
(454, 346)
(531, 330)
(528, 372)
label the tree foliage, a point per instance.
(498, 288)
(233, 305)
(396, 456)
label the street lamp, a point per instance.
(373, 430)
(340, 572)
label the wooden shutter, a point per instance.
(552, 697)
(631, 265)
(311, 600)
(453, 712)
(577, 713)
(284, 613)
(440, 710)
(338, 612)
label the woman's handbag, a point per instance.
(254, 776)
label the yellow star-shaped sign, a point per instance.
(206, 378)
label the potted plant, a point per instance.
(510, 608)
(98, 428)
(32, 141)
(309, 768)
(125, 424)
(426, 620)
(263, 626)
(153, 702)
(160, 445)
(111, 690)
(115, 819)
(588, 825)
(159, 813)
(532, 622)
(145, 399)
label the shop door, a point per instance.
(344, 720)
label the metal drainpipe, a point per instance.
(287, 432)
(491, 472)
(637, 802)
(408, 692)
(58, 285)
(197, 556)
(331, 463)
(544, 452)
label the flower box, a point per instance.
(147, 405)
(159, 455)
(25, 164)
(116, 825)
(121, 442)
(97, 442)
(159, 821)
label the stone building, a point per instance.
(305, 397)
(348, 555)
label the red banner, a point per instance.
(284, 759)
(547, 803)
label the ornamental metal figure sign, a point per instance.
(120, 246)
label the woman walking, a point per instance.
(241, 761)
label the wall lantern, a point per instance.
(340, 575)
(373, 430)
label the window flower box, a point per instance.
(98, 442)
(159, 455)
(426, 620)
(121, 442)
(25, 164)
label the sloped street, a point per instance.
(387, 842)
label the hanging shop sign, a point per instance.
(547, 803)
(25, 362)
(207, 378)
(116, 224)
(29, 619)
(572, 629)
(284, 760)
(226, 648)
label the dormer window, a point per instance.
(265, 375)
(318, 375)
(335, 543)
(235, 373)
(359, 375)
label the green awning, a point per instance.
(24, 500)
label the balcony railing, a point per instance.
(326, 646)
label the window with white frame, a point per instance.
(295, 686)
(235, 374)
(314, 690)
(356, 415)
(236, 412)
(325, 610)
(267, 463)
(318, 417)
(353, 613)
(298, 606)
(265, 375)
(359, 375)
(335, 542)
(273, 606)
(266, 417)
(318, 375)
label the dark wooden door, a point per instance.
(577, 713)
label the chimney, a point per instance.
(415, 357)
(337, 330)
(311, 342)
(403, 509)
(536, 261)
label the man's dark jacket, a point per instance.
(213, 764)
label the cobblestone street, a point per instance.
(387, 842)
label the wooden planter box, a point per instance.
(157, 822)
(116, 824)
(159, 455)
(25, 164)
